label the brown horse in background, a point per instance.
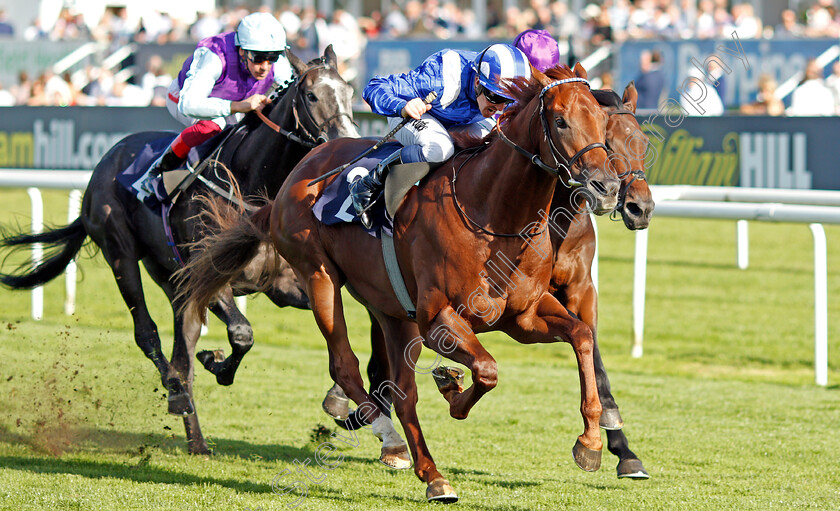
(445, 241)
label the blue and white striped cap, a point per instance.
(501, 62)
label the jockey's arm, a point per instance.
(195, 100)
(389, 95)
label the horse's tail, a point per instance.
(217, 259)
(60, 245)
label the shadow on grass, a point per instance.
(138, 473)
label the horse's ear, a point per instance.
(630, 97)
(298, 65)
(329, 55)
(539, 75)
(580, 72)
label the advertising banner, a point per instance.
(764, 152)
(775, 152)
(73, 138)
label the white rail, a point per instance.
(73, 180)
(708, 202)
(773, 205)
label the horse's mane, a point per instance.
(523, 91)
(608, 97)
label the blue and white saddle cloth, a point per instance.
(334, 206)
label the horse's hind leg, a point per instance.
(327, 307)
(378, 370)
(187, 332)
(402, 360)
(127, 274)
(240, 335)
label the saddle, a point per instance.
(335, 207)
(156, 191)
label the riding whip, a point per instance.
(427, 100)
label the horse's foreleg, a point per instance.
(240, 336)
(450, 336)
(127, 274)
(550, 322)
(583, 301)
(585, 305)
(402, 361)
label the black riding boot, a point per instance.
(166, 162)
(366, 190)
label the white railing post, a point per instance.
(820, 305)
(37, 249)
(743, 244)
(639, 277)
(242, 303)
(594, 270)
(74, 206)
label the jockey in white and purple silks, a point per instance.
(469, 92)
(227, 76)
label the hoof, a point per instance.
(440, 490)
(180, 405)
(611, 419)
(587, 459)
(396, 457)
(632, 469)
(200, 450)
(336, 403)
(449, 379)
(209, 358)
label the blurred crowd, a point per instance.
(309, 32)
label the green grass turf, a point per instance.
(722, 408)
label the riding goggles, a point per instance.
(492, 96)
(258, 57)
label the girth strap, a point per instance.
(389, 253)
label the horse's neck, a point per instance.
(506, 189)
(264, 158)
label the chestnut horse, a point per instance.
(445, 240)
(571, 281)
(573, 243)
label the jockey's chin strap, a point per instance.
(571, 182)
(311, 141)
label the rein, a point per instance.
(555, 153)
(475, 224)
(533, 158)
(312, 141)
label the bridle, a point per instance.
(638, 174)
(559, 159)
(534, 158)
(312, 139)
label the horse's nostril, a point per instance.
(633, 209)
(599, 187)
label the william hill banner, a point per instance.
(772, 152)
(769, 152)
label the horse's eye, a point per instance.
(311, 97)
(561, 123)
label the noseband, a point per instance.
(311, 140)
(555, 153)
